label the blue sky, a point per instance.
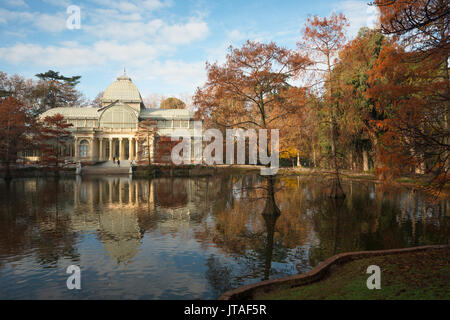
(163, 44)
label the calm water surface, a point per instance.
(186, 238)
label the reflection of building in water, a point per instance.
(163, 196)
(113, 193)
(120, 209)
(120, 234)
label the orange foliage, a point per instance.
(14, 126)
(53, 138)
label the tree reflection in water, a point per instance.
(37, 222)
(300, 225)
(216, 232)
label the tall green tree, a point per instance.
(55, 90)
(356, 112)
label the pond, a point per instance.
(193, 238)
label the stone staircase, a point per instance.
(107, 168)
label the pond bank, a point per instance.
(191, 170)
(410, 273)
(414, 181)
(198, 171)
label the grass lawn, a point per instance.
(420, 275)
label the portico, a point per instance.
(105, 148)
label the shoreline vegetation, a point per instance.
(414, 181)
(406, 276)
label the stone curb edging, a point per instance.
(249, 291)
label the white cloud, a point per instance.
(50, 23)
(358, 13)
(127, 6)
(123, 33)
(16, 3)
(185, 33)
(45, 22)
(154, 4)
(185, 76)
(129, 30)
(237, 35)
(7, 16)
(50, 55)
(102, 15)
(136, 53)
(59, 3)
(110, 25)
(139, 55)
(72, 54)
(134, 5)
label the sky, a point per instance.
(162, 44)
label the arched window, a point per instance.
(117, 118)
(84, 148)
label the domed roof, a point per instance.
(123, 89)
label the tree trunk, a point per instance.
(336, 188)
(314, 156)
(365, 160)
(351, 161)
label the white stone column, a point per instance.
(100, 149)
(77, 150)
(120, 148)
(130, 149)
(91, 148)
(110, 149)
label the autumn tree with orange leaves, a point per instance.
(415, 130)
(145, 136)
(252, 89)
(411, 83)
(15, 123)
(323, 38)
(164, 146)
(53, 138)
(298, 131)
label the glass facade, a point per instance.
(84, 148)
